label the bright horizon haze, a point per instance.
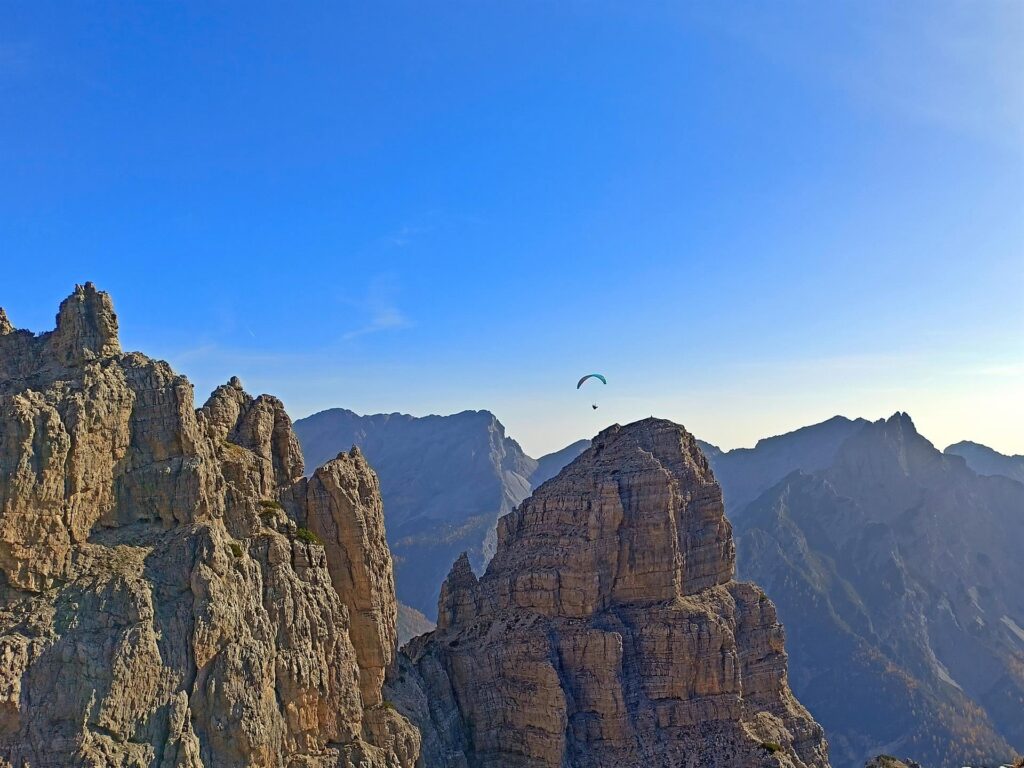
(750, 219)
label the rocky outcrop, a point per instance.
(346, 512)
(896, 570)
(608, 629)
(887, 761)
(173, 592)
(445, 481)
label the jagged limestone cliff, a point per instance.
(445, 481)
(608, 630)
(164, 600)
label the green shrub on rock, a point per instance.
(306, 535)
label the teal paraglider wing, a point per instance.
(598, 376)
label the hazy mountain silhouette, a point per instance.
(894, 566)
(745, 473)
(896, 571)
(986, 461)
(411, 623)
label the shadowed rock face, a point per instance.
(897, 572)
(746, 473)
(608, 629)
(159, 603)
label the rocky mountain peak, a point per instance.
(461, 570)
(458, 594)
(173, 591)
(903, 419)
(895, 569)
(898, 429)
(746, 473)
(899, 425)
(86, 326)
(86, 330)
(653, 529)
(884, 451)
(607, 629)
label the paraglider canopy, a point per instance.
(598, 376)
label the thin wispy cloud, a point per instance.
(385, 318)
(380, 306)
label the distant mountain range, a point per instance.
(746, 473)
(173, 584)
(896, 571)
(608, 630)
(445, 481)
(985, 461)
(895, 567)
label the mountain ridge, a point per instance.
(745, 473)
(988, 461)
(445, 481)
(884, 588)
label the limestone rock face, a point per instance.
(160, 601)
(345, 510)
(608, 630)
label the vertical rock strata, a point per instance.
(173, 592)
(608, 630)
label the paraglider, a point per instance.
(597, 376)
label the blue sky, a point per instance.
(749, 216)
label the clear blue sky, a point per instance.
(749, 216)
